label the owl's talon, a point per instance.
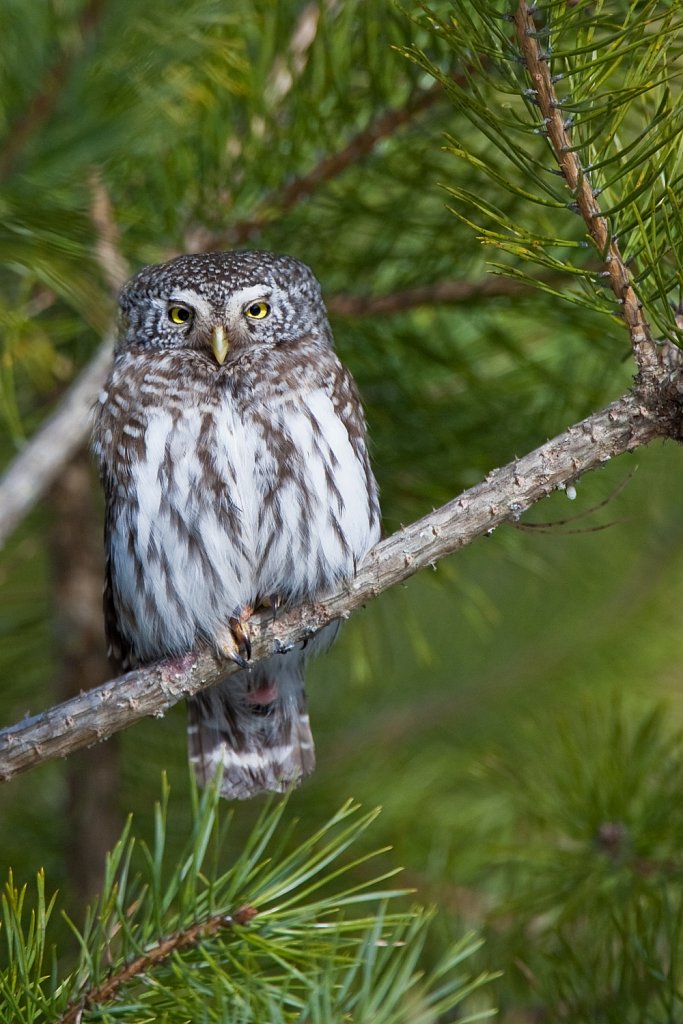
(240, 631)
(275, 602)
(234, 640)
(227, 647)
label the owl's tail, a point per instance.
(254, 727)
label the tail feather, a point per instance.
(258, 746)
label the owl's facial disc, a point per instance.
(222, 304)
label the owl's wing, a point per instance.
(119, 650)
(349, 410)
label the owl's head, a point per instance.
(222, 302)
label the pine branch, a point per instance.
(576, 177)
(327, 930)
(107, 244)
(330, 167)
(180, 940)
(440, 292)
(632, 421)
(38, 464)
(45, 99)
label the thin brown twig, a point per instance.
(107, 246)
(551, 527)
(578, 530)
(440, 292)
(576, 177)
(46, 97)
(331, 166)
(183, 939)
(287, 69)
(505, 494)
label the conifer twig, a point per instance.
(286, 70)
(447, 292)
(504, 495)
(183, 939)
(44, 100)
(576, 177)
(107, 247)
(329, 167)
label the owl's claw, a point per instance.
(274, 602)
(240, 631)
(234, 641)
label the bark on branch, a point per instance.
(504, 495)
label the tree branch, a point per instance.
(576, 177)
(45, 99)
(107, 243)
(41, 460)
(437, 293)
(154, 955)
(288, 68)
(504, 495)
(329, 167)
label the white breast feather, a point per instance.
(176, 582)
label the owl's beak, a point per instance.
(219, 344)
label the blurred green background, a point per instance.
(504, 710)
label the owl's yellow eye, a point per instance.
(257, 310)
(179, 314)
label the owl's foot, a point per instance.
(234, 641)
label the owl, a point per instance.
(233, 456)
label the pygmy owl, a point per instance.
(232, 450)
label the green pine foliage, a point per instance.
(271, 938)
(591, 894)
(393, 149)
(616, 77)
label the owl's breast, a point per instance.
(179, 555)
(316, 513)
(221, 503)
